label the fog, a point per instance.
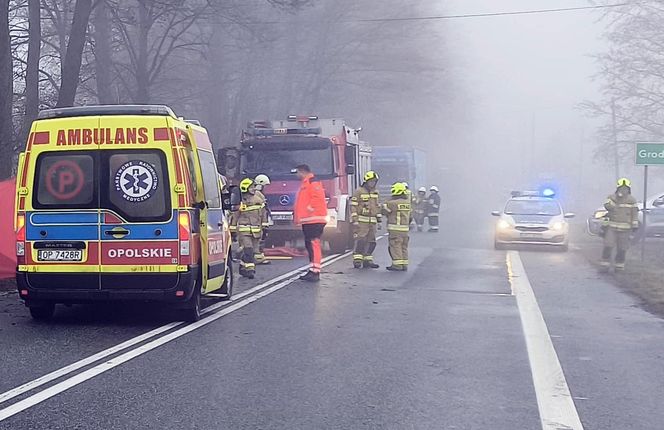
(494, 100)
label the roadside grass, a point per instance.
(643, 279)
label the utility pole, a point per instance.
(614, 132)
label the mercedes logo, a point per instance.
(284, 199)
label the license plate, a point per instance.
(282, 217)
(530, 235)
(59, 255)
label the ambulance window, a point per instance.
(137, 185)
(65, 180)
(210, 179)
(192, 173)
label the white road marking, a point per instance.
(105, 366)
(554, 400)
(31, 385)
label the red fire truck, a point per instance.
(333, 151)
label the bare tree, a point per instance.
(6, 94)
(632, 78)
(74, 55)
(32, 66)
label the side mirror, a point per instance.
(570, 215)
(228, 161)
(231, 200)
(495, 213)
(350, 156)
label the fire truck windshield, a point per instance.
(277, 159)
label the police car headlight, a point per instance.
(503, 225)
(557, 226)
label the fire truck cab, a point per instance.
(335, 154)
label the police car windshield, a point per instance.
(278, 161)
(532, 207)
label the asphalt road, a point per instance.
(439, 347)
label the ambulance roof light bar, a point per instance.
(101, 110)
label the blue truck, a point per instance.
(399, 164)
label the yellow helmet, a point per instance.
(398, 189)
(245, 184)
(624, 182)
(370, 175)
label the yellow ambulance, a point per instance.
(120, 203)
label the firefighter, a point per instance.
(365, 216)
(433, 208)
(398, 213)
(261, 181)
(420, 207)
(247, 226)
(311, 214)
(623, 219)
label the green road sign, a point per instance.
(650, 153)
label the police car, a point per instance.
(532, 217)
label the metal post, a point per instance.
(645, 213)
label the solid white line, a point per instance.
(554, 401)
(105, 366)
(82, 363)
(31, 385)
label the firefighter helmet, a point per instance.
(398, 189)
(422, 190)
(245, 184)
(624, 182)
(370, 175)
(262, 180)
(433, 188)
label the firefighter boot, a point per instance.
(396, 268)
(368, 257)
(605, 262)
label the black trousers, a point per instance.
(312, 232)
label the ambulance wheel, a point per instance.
(229, 281)
(191, 310)
(42, 311)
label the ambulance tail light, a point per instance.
(184, 222)
(20, 238)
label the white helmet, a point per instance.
(406, 185)
(422, 190)
(433, 188)
(262, 180)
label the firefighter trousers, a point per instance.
(619, 239)
(365, 241)
(433, 221)
(398, 247)
(249, 244)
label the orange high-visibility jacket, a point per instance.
(310, 205)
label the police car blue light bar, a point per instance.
(545, 192)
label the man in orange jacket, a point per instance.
(311, 213)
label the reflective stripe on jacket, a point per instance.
(398, 213)
(364, 206)
(310, 204)
(250, 217)
(623, 212)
